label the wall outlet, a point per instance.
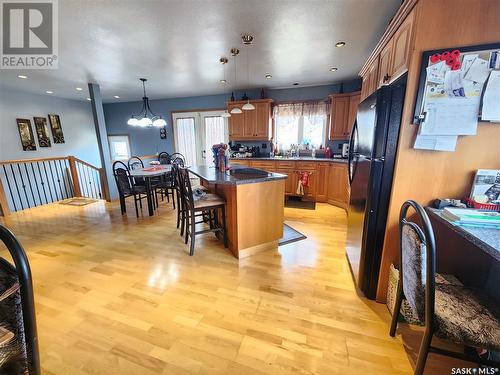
(264, 145)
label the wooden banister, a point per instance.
(74, 176)
(85, 163)
(20, 161)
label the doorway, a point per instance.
(196, 132)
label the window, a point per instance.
(185, 139)
(119, 147)
(301, 123)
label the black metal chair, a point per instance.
(207, 207)
(135, 162)
(164, 157)
(177, 156)
(455, 313)
(126, 187)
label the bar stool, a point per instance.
(208, 207)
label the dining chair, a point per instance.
(177, 156)
(455, 313)
(208, 207)
(126, 187)
(164, 157)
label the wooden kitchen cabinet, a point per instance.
(343, 111)
(322, 182)
(384, 65)
(291, 181)
(338, 185)
(370, 83)
(253, 124)
(401, 46)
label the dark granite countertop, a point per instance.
(232, 177)
(487, 239)
(305, 158)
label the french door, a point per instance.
(196, 132)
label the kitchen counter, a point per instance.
(305, 158)
(232, 177)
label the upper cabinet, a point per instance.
(391, 57)
(343, 111)
(250, 125)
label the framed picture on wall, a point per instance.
(55, 127)
(26, 134)
(42, 131)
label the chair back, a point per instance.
(178, 157)
(417, 266)
(185, 185)
(135, 162)
(121, 174)
(164, 157)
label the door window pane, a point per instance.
(119, 147)
(186, 139)
(214, 134)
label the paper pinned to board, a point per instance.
(491, 98)
(436, 142)
(479, 70)
(436, 72)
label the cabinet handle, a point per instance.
(387, 77)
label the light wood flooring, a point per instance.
(120, 295)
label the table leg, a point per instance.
(149, 196)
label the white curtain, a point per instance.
(214, 134)
(184, 129)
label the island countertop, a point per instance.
(232, 177)
(302, 158)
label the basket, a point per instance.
(482, 206)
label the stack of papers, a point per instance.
(473, 217)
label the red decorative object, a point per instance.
(455, 53)
(456, 65)
(304, 179)
(445, 56)
(482, 206)
(435, 58)
(450, 62)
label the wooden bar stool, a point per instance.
(208, 207)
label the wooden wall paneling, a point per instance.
(426, 175)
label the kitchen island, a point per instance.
(254, 206)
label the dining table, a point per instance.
(147, 173)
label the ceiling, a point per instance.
(177, 44)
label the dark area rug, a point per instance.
(299, 202)
(290, 235)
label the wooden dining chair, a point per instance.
(206, 207)
(455, 313)
(127, 188)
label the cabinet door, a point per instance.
(290, 182)
(373, 77)
(338, 187)
(339, 117)
(322, 182)
(384, 65)
(263, 117)
(401, 46)
(353, 110)
(250, 122)
(236, 124)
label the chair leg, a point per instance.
(123, 206)
(135, 203)
(186, 227)
(424, 351)
(140, 202)
(183, 218)
(397, 308)
(193, 236)
(173, 198)
(223, 214)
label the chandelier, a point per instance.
(146, 117)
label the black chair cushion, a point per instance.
(467, 316)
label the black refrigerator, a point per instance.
(372, 152)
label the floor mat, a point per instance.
(290, 235)
(293, 202)
(78, 201)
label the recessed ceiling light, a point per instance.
(340, 44)
(295, 84)
(333, 69)
(89, 99)
(79, 89)
(116, 97)
(268, 76)
(49, 92)
(223, 81)
(22, 77)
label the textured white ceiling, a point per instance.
(177, 44)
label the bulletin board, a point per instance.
(457, 88)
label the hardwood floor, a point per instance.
(117, 295)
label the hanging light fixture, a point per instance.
(223, 61)
(247, 41)
(146, 117)
(234, 53)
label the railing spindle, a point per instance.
(29, 182)
(42, 183)
(23, 185)
(17, 187)
(64, 179)
(48, 182)
(36, 185)
(10, 189)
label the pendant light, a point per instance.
(234, 53)
(146, 117)
(247, 41)
(223, 61)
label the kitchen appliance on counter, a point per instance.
(345, 150)
(371, 156)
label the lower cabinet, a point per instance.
(323, 181)
(338, 187)
(291, 182)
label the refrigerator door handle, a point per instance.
(350, 168)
